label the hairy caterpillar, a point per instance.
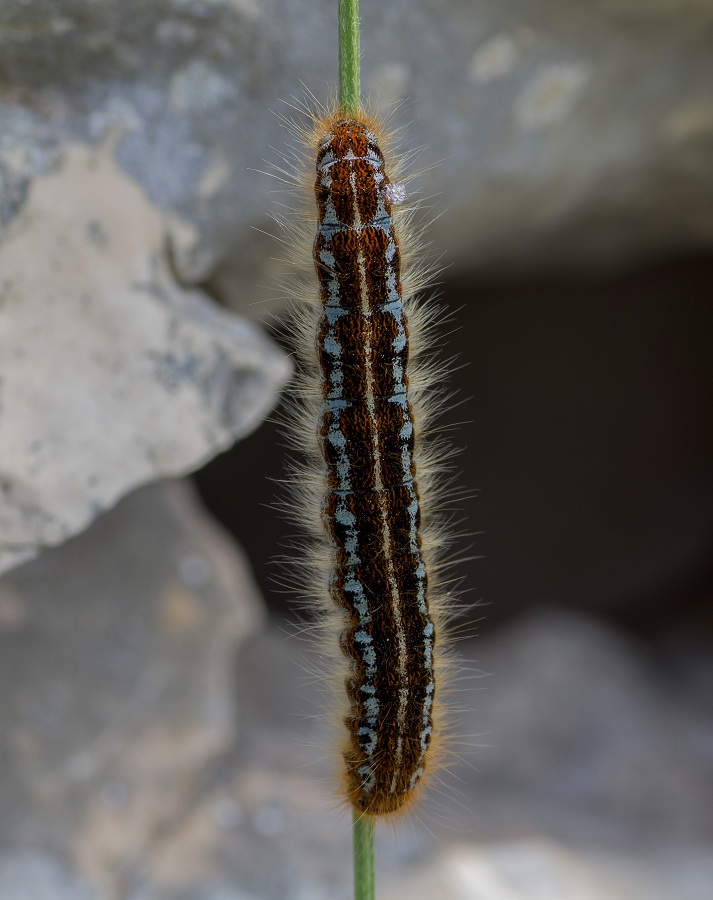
(367, 391)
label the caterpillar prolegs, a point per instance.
(367, 389)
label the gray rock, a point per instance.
(581, 770)
(41, 877)
(128, 138)
(112, 375)
(591, 737)
(565, 134)
(142, 757)
(118, 702)
(539, 869)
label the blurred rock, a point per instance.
(112, 375)
(128, 132)
(543, 870)
(142, 758)
(594, 738)
(118, 699)
(41, 877)
(582, 771)
(128, 138)
(565, 133)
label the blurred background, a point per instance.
(161, 734)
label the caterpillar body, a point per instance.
(366, 396)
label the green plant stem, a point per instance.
(363, 857)
(349, 57)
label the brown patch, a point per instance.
(180, 611)
(353, 332)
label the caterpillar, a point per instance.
(367, 391)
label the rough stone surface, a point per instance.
(129, 136)
(143, 758)
(592, 737)
(566, 133)
(584, 774)
(112, 375)
(118, 703)
(545, 870)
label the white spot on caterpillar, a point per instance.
(395, 193)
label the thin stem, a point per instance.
(363, 857)
(349, 57)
